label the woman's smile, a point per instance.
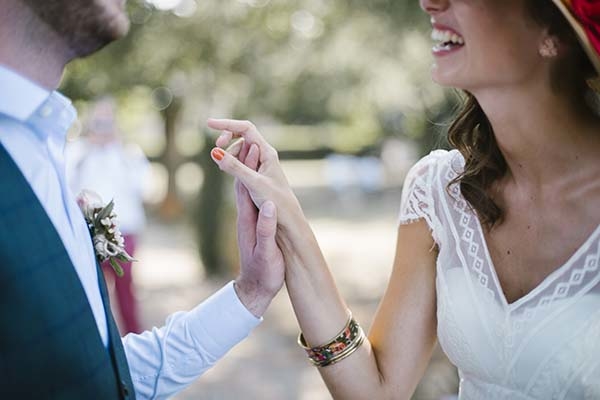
(448, 40)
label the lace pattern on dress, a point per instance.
(417, 194)
(469, 250)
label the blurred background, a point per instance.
(340, 87)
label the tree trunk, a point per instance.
(171, 206)
(210, 217)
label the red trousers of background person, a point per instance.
(122, 290)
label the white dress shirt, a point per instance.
(33, 126)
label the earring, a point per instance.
(549, 49)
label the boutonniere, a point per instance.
(102, 223)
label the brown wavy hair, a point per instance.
(471, 132)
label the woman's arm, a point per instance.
(390, 363)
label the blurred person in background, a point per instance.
(117, 171)
(498, 248)
(59, 339)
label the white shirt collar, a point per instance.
(21, 97)
(49, 113)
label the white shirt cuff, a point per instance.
(221, 321)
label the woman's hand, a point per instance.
(267, 181)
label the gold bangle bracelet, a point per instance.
(340, 347)
(345, 354)
(302, 342)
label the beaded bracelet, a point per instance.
(345, 343)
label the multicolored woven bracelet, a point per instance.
(344, 344)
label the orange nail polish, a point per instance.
(217, 153)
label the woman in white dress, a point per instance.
(498, 249)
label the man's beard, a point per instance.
(85, 25)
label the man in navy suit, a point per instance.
(58, 339)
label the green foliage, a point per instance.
(299, 62)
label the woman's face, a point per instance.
(482, 44)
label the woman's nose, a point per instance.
(434, 6)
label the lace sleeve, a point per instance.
(417, 193)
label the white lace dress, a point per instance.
(544, 346)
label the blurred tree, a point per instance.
(337, 65)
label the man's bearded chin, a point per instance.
(85, 25)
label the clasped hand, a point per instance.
(262, 194)
(260, 183)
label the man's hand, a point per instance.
(262, 268)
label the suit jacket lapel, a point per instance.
(117, 352)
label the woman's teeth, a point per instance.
(447, 39)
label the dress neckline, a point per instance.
(546, 281)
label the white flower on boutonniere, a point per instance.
(102, 223)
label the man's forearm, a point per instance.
(165, 360)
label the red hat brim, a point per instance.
(585, 34)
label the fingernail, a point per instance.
(268, 209)
(217, 153)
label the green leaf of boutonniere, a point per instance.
(105, 212)
(117, 267)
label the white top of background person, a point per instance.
(101, 161)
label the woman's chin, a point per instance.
(442, 81)
(445, 79)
